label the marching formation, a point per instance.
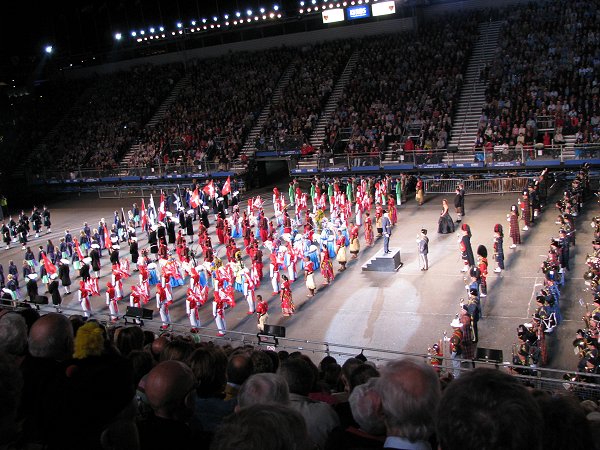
(307, 234)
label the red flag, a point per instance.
(78, 250)
(107, 241)
(161, 207)
(226, 187)
(195, 198)
(209, 189)
(50, 268)
(144, 215)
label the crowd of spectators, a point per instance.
(105, 121)
(70, 383)
(544, 76)
(28, 115)
(212, 115)
(316, 69)
(408, 83)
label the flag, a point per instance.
(151, 210)
(226, 187)
(209, 189)
(144, 216)
(195, 199)
(50, 268)
(92, 286)
(161, 207)
(107, 241)
(78, 250)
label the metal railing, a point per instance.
(145, 171)
(540, 377)
(478, 186)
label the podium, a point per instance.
(382, 262)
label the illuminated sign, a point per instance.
(383, 8)
(333, 15)
(358, 12)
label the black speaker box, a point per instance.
(139, 313)
(489, 354)
(274, 330)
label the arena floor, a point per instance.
(406, 311)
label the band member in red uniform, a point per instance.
(287, 303)
(309, 270)
(354, 241)
(326, 265)
(262, 309)
(368, 229)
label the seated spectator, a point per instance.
(369, 431)
(263, 388)
(263, 427)
(409, 395)
(320, 417)
(170, 388)
(486, 408)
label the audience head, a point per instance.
(51, 337)
(298, 375)
(239, 368)
(177, 350)
(209, 365)
(263, 427)
(129, 339)
(364, 403)
(13, 334)
(488, 409)
(169, 389)
(264, 388)
(409, 392)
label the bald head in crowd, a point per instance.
(167, 387)
(51, 337)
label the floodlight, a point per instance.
(276, 7)
(49, 49)
(249, 12)
(193, 23)
(215, 18)
(161, 29)
(238, 14)
(133, 34)
(151, 29)
(118, 36)
(179, 25)
(226, 16)
(142, 32)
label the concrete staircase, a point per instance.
(318, 133)
(472, 97)
(249, 147)
(160, 113)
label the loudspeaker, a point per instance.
(40, 300)
(489, 355)
(274, 330)
(139, 313)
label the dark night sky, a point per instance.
(76, 27)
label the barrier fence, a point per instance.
(541, 378)
(478, 186)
